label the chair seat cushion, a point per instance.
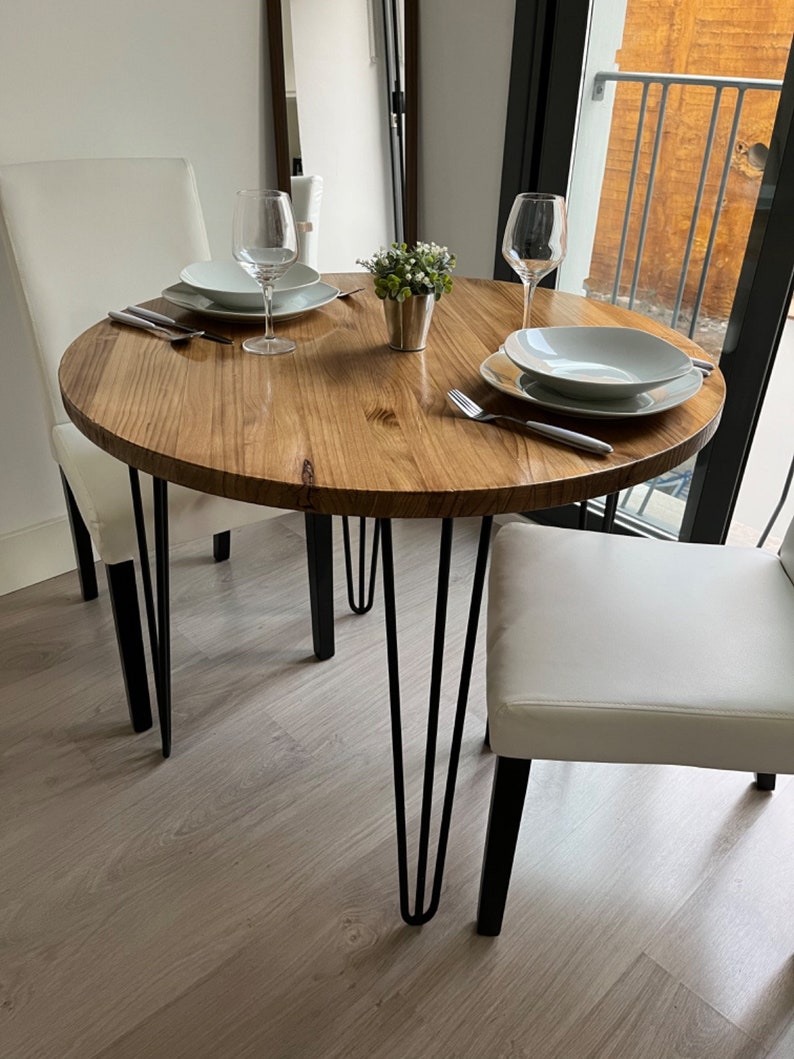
(604, 647)
(101, 487)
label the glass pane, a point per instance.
(770, 457)
(667, 172)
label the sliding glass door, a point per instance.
(679, 187)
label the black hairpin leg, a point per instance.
(582, 524)
(421, 913)
(610, 510)
(363, 604)
(158, 616)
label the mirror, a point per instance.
(345, 104)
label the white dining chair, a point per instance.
(307, 197)
(85, 236)
(603, 647)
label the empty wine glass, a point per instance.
(535, 240)
(265, 243)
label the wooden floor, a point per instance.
(239, 900)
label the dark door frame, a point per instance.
(756, 323)
(549, 43)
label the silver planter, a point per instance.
(408, 322)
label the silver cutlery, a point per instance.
(150, 325)
(704, 365)
(158, 318)
(569, 437)
(347, 293)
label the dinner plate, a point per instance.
(500, 371)
(227, 283)
(596, 363)
(285, 306)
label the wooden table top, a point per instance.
(344, 425)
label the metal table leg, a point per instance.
(610, 510)
(365, 599)
(423, 912)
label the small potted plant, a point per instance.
(410, 281)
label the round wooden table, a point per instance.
(346, 426)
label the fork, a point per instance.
(569, 437)
(149, 325)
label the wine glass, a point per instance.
(265, 244)
(535, 239)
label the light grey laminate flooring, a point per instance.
(239, 899)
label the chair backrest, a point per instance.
(89, 235)
(307, 195)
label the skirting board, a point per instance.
(45, 550)
(35, 554)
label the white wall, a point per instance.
(110, 78)
(465, 69)
(147, 77)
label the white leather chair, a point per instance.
(86, 236)
(611, 648)
(307, 196)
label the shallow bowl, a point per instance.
(227, 283)
(596, 363)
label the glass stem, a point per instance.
(529, 290)
(267, 292)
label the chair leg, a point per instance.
(127, 619)
(319, 554)
(222, 546)
(81, 540)
(765, 781)
(507, 802)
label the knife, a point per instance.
(158, 318)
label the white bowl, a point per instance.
(227, 283)
(596, 363)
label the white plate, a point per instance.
(227, 283)
(285, 306)
(596, 363)
(500, 371)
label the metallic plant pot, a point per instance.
(408, 322)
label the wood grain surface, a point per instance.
(344, 425)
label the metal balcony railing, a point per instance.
(741, 85)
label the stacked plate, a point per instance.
(596, 372)
(223, 289)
